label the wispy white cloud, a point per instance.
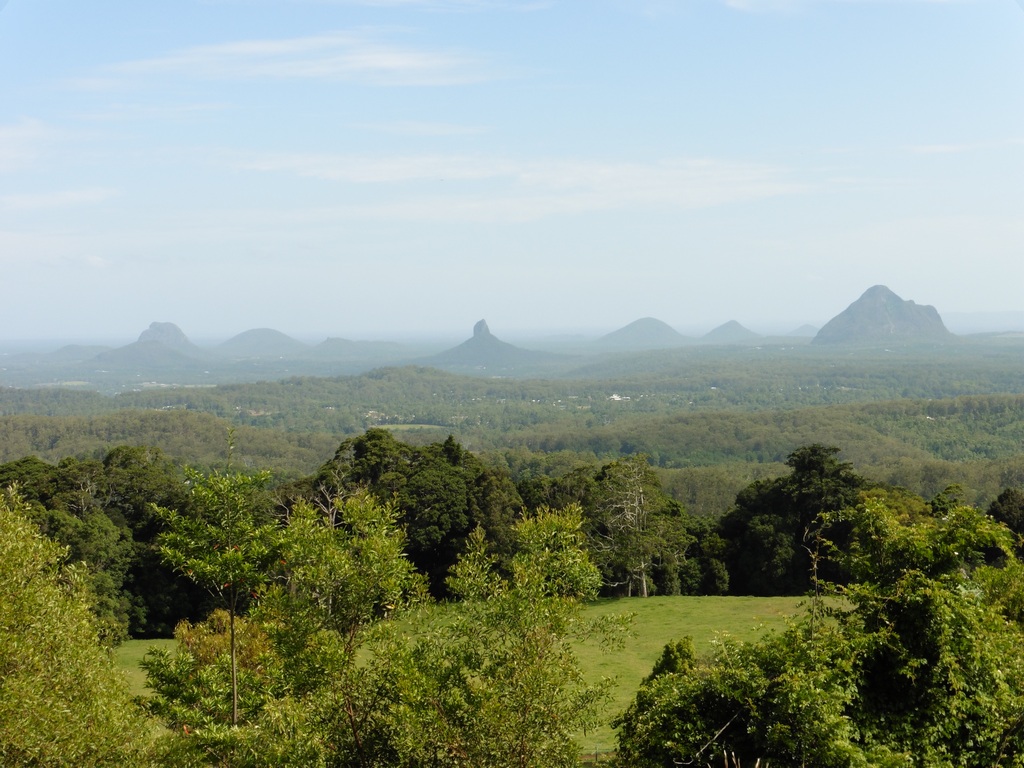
(163, 112)
(421, 128)
(331, 56)
(961, 148)
(373, 170)
(59, 199)
(506, 189)
(22, 142)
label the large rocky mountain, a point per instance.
(161, 346)
(880, 316)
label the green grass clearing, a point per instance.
(128, 657)
(657, 621)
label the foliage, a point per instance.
(224, 543)
(637, 534)
(103, 513)
(921, 662)
(1008, 508)
(774, 531)
(192, 685)
(495, 681)
(338, 571)
(62, 702)
(490, 680)
(442, 490)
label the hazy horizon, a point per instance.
(360, 168)
(957, 323)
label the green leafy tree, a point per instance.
(65, 503)
(639, 537)
(1008, 508)
(494, 680)
(62, 701)
(442, 490)
(224, 542)
(774, 531)
(920, 664)
(305, 652)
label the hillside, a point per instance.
(730, 333)
(879, 316)
(645, 333)
(484, 351)
(263, 342)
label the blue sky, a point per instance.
(392, 168)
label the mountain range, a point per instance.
(162, 352)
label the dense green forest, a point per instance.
(709, 420)
(411, 605)
(349, 563)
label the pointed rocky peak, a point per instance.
(880, 316)
(484, 350)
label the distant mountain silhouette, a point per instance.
(74, 353)
(146, 355)
(263, 342)
(730, 333)
(168, 334)
(880, 316)
(161, 346)
(645, 333)
(804, 331)
(484, 350)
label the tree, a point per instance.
(223, 543)
(62, 701)
(103, 512)
(1008, 508)
(493, 680)
(636, 532)
(774, 529)
(64, 502)
(921, 662)
(304, 652)
(442, 490)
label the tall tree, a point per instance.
(636, 532)
(774, 530)
(305, 650)
(225, 542)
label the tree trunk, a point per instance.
(234, 670)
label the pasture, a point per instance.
(656, 621)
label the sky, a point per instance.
(375, 169)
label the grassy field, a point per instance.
(129, 655)
(657, 620)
